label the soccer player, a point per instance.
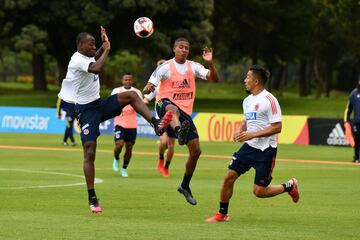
(262, 121)
(125, 129)
(69, 108)
(176, 80)
(353, 105)
(82, 77)
(166, 142)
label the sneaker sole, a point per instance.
(183, 132)
(183, 191)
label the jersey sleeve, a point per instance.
(273, 110)
(162, 72)
(200, 70)
(114, 91)
(81, 63)
(139, 93)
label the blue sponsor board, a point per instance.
(24, 119)
(43, 120)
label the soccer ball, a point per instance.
(143, 27)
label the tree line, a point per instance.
(313, 44)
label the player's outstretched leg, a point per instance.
(161, 125)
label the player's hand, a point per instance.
(207, 54)
(104, 37)
(243, 136)
(149, 88)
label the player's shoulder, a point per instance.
(137, 90)
(195, 64)
(115, 90)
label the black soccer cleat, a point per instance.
(187, 194)
(183, 132)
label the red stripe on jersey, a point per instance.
(272, 103)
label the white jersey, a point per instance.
(123, 89)
(80, 86)
(259, 112)
(163, 71)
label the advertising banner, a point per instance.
(327, 131)
(211, 126)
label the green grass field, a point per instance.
(147, 206)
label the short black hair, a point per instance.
(81, 36)
(180, 39)
(261, 71)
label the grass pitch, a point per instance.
(41, 195)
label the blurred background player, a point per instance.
(82, 80)
(125, 126)
(353, 105)
(176, 93)
(70, 115)
(165, 142)
(258, 130)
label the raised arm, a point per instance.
(101, 54)
(213, 75)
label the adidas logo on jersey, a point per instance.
(183, 84)
(337, 136)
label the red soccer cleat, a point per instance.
(294, 193)
(160, 166)
(219, 217)
(165, 172)
(163, 123)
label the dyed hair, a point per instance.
(263, 73)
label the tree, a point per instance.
(33, 39)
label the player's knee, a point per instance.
(90, 154)
(259, 192)
(229, 180)
(174, 109)
(196, 153)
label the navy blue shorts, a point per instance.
(92, 114)
(125, 134)
(69, 108)
(262, 161)
(160, 109)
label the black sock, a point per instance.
(224, 207)
(91, 193)
(176, 130)
(161, 156)
(126, 163)
(167, 164)
(117, 158)
(287, 186)
(153, 121)
(186, 181)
